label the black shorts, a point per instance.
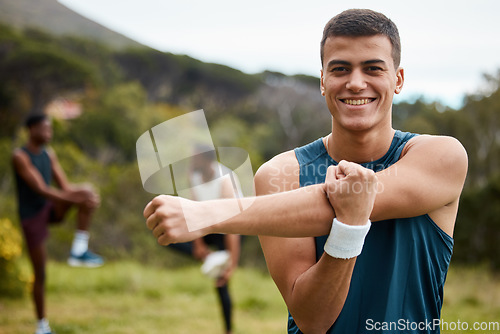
(214, 240)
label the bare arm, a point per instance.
(427, 179)
(30, 174)
(232, 243)
(23, 166)
(74, 193)
(280, 214)
(314, 292)
(57, 172)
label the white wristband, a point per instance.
(346, 241)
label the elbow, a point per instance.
(315, 324)
(311, 327)
(43, 190)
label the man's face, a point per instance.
(198, 163)
(41, 133)
(358, 81)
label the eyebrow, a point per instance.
(344, 62)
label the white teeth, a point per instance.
(357, 102)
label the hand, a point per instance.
(166, 218)
(351, 190)
(83, 194)
(200, 249)
(94, 200)
(224, 278)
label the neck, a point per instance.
(359, 146)
(34, 147)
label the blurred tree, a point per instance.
(34, 73)
(112, 123)
(293, 108)
(482, 132)
(14, 282)
(128, 92)
(45, 73)
(477, 236)
(477, 126)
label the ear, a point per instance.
(322, 85)
(400, 79)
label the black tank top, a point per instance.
(29, 201)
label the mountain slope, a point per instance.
(280, 105)
(55, 18)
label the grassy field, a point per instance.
(128, 297)
(471, 295)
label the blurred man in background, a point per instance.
(36, 167)
(219, 252)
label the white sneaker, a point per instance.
(87, 259)
(43, 327)
(216, 263)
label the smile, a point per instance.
(357, 102)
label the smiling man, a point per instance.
(350, 276)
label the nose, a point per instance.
(356, 81)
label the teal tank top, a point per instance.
(397, 282)
(29, 201)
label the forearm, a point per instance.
(70, 195)
(304, 212)
(34, 179)
(319, 294)
(232, 244)
(51, 193)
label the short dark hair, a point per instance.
(35, 119)
(363, 22)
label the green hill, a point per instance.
(57, 19)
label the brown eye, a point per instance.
(339, 69)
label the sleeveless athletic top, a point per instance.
(397, 282)
(30, 202)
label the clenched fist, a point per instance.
(351, 190)
(168, 218)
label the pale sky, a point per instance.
(446, 45)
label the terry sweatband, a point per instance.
(346, 241)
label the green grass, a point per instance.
(471, 294)
(128, 297)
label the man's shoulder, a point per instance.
(19, 154)
(286, 165)
(434, 143)
(281, 172)
(283, 161)
(440, 154)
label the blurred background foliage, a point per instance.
(123, 92)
